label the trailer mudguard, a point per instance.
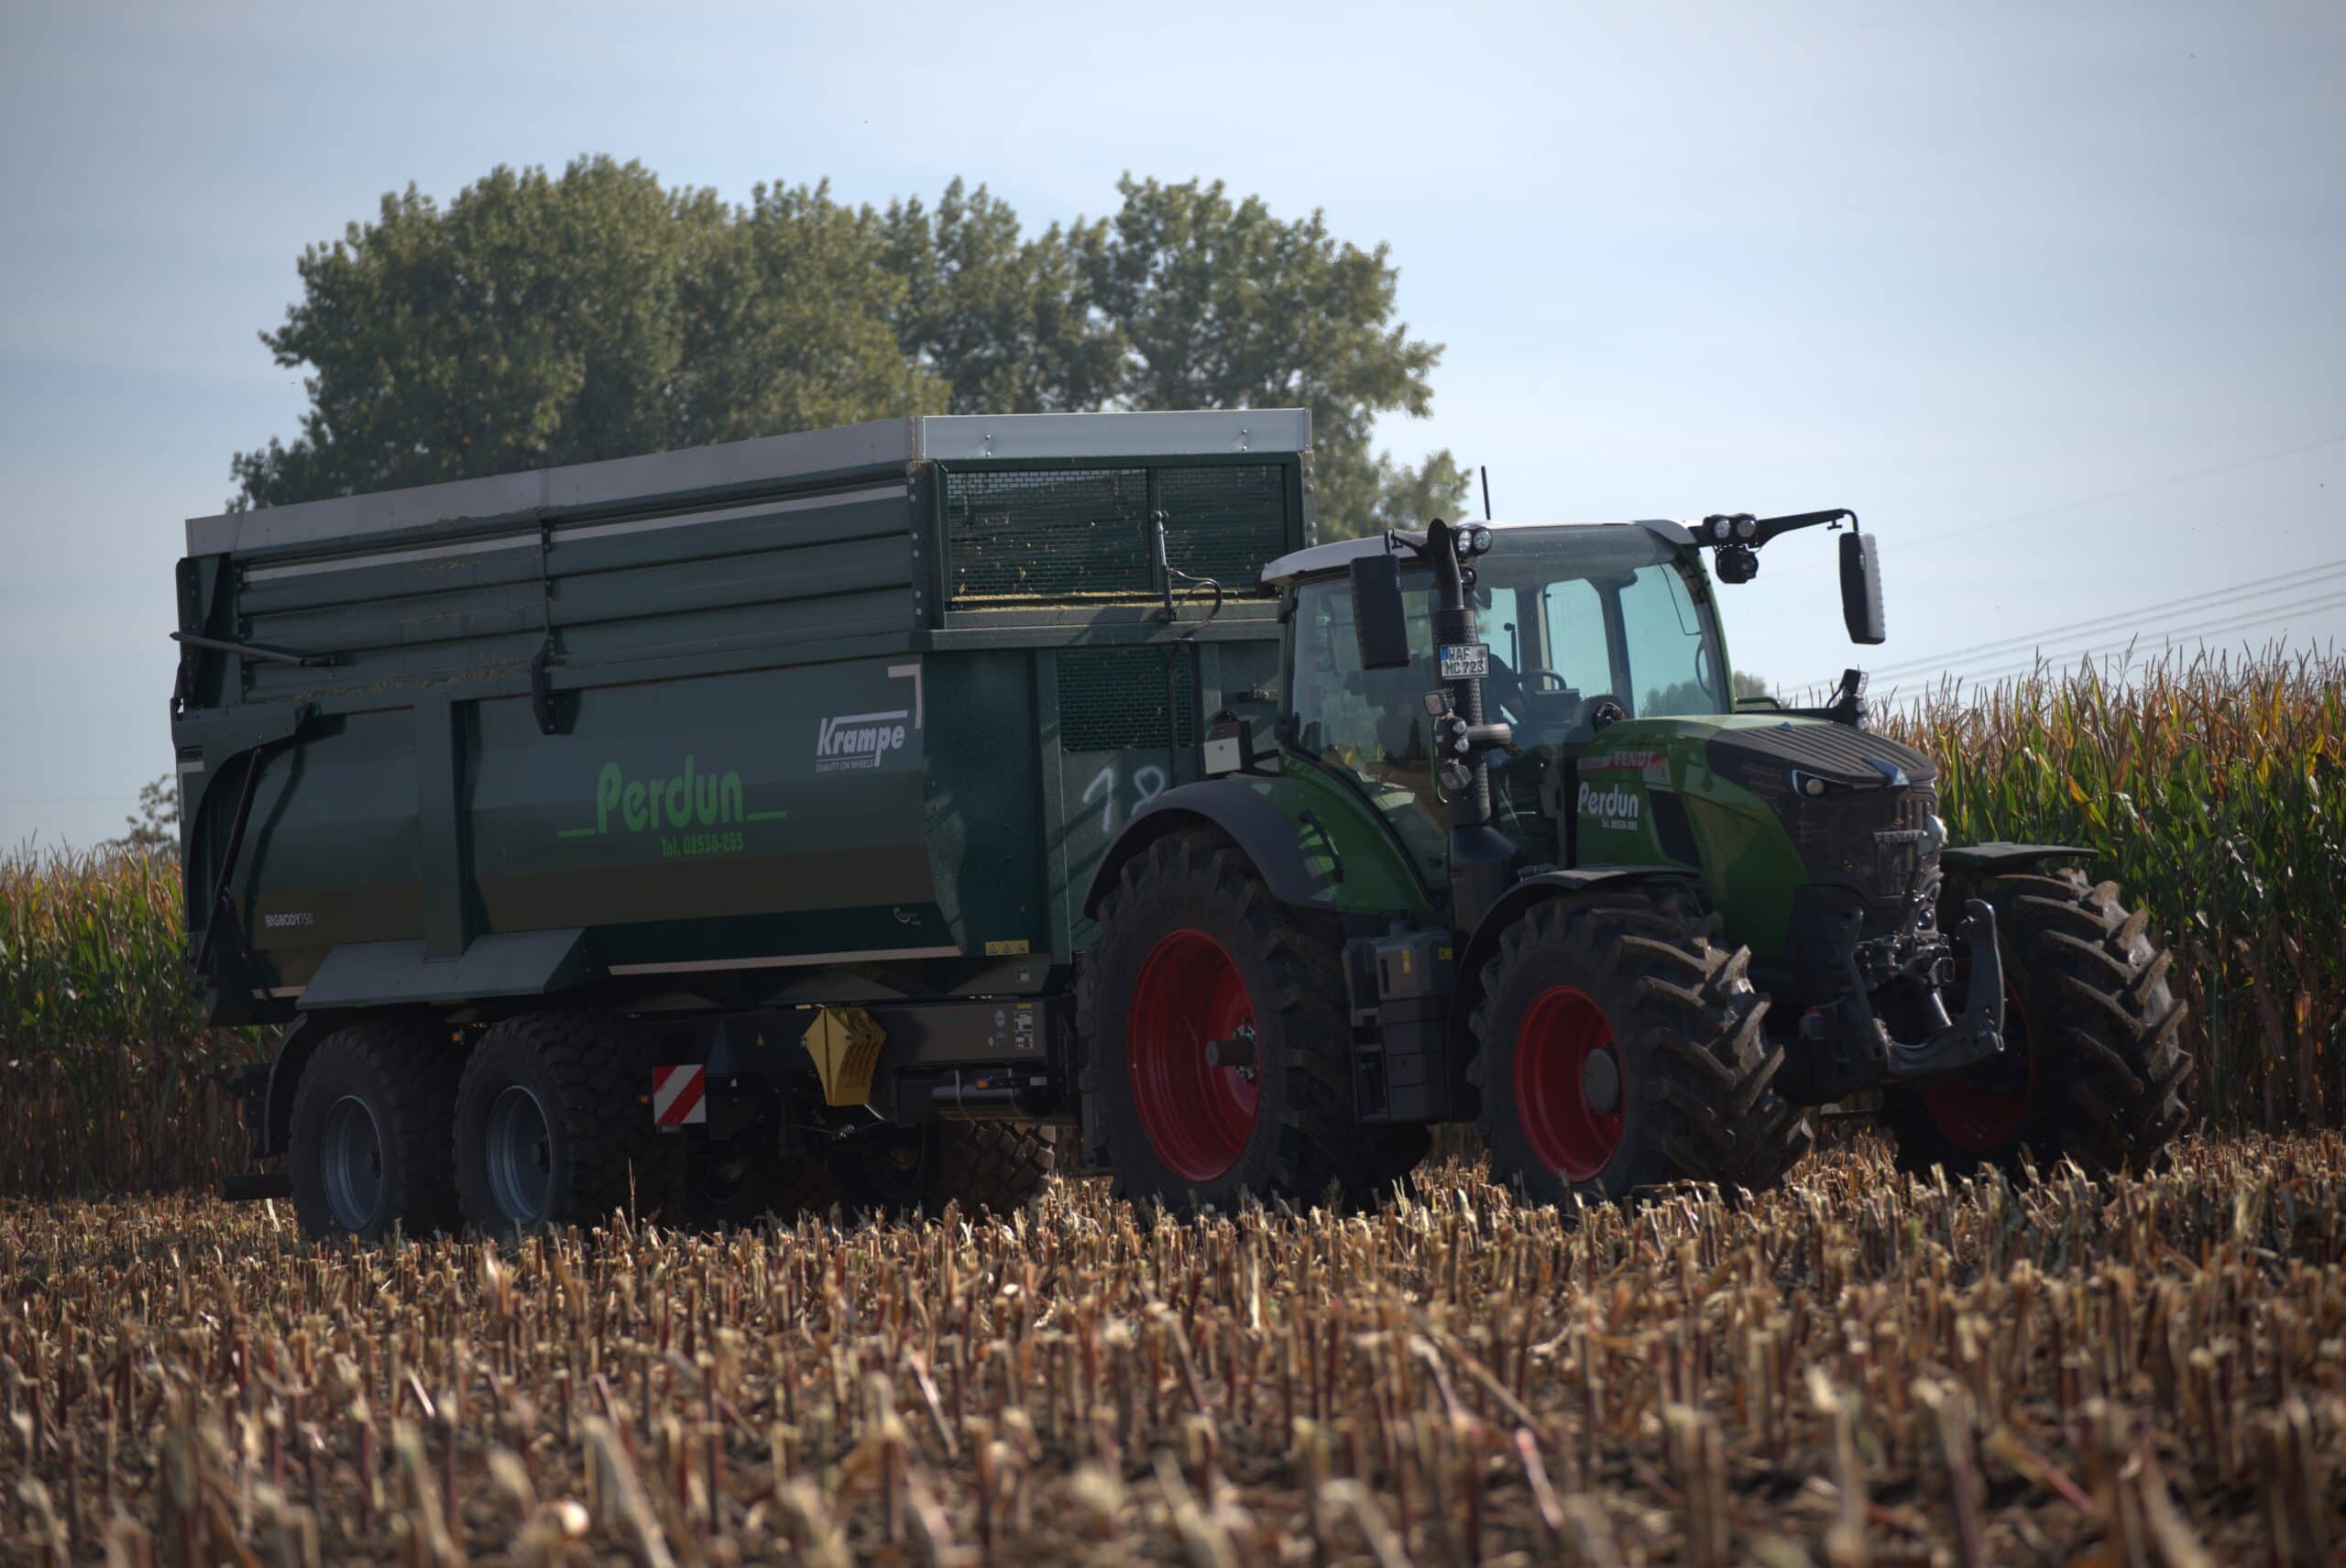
(274, 1135)
(1484, 941)
(1262, 832)
(1995, 856)
(392, 974)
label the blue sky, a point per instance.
(2051, 295)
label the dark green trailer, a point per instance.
(646, 762)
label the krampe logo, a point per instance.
(858, 740)
(1619, 808)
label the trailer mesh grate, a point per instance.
(1081, 536)
(1112, 699)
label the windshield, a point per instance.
(1569, 614)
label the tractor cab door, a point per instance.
(1371, 724)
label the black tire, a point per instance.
(999, 1166)
(2095, 1069)
(1635, 972)
(587, 1078)
(1302, 1138)
(990, 1165)
(375, 1102)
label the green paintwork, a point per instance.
(788, 747)
(1368, 872)
(1747, 863)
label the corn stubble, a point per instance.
(1858, 1369)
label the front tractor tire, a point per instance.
(1620, 1047)
(2093, 1068)
(1215, 1043)
(554, 1129)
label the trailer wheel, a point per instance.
(2093, 1068)
(1215, 1048)
(369, 1133)
(1618, 1047)
(551, 1127)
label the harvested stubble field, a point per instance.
(1858, 1368)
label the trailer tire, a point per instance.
(553, 1129)
(1685, 1092)
(2099, 1072)
(1192, 944)
(368, 1137)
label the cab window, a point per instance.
(1371, 722)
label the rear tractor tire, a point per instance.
(1216, 1050)
(553, 1126)
(370, 1135)
(2093, 1068)
(1620, 1049)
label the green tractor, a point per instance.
(1514, 854)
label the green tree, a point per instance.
(1224, 305)
(1006, 321)
(156, 828)
(541, 320)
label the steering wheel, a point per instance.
(1598, 711)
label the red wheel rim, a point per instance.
(1199, 1116)
(1980, 1118)
(1559, 1034)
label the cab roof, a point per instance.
(1317, 558)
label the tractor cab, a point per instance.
(1581, 625)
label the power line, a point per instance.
(2187, 604)
(2267, 615)
(2163, 641)
(1967, 530)
(2003, 668)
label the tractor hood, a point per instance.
(1834, 754)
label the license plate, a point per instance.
(1465, 661)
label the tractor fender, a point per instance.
(1484, 940)
(2000, 857)
(1264, 833)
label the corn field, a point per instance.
(1857, 1369)
(103, 1055)
(2213, 791)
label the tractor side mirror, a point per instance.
(1861, 588)
(1380, 623)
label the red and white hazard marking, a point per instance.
(679, 1096)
